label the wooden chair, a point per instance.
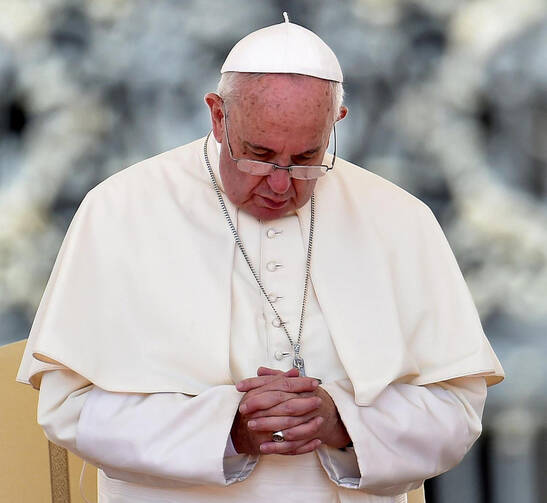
(32, 469)
(416, 496)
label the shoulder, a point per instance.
(391, 218)
(142, 204)
(370, 195)
(169, 175)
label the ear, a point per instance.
(343, 112)
(215, 104)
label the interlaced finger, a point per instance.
(309, 447)
(305, 431)
(264, 401)
(291, 407)
(266, 371)
(278, 382)
(279, 422)
(290, 447)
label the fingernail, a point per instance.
(315, 383)
(264, 448)
(320, 420)
(243, 408)
(251, 424)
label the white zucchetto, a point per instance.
(284, 48)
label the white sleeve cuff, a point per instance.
(409, 434)
(165, 435)
(230, 449)
(237, 467)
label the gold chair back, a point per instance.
(31, 468)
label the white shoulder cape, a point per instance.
(139, 297)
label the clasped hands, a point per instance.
(276, 400)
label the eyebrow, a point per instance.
(260, 147)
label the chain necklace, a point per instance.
(298, 361)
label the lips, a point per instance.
(272, 204)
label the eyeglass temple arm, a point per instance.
(334, 153)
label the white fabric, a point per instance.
(169, 441)
(430, 425)
(389, 288)
(145, 303)
(230, 449)
(415, 432)
(255, 338)
(284, 48)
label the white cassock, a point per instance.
(151, 315)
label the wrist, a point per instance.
(240, 436)
(339, 437)
(335, 434)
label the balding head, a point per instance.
(231, 85)
(284, 119)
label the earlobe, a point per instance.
(343, 112)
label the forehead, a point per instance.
(284, 102)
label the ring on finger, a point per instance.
(277, 436)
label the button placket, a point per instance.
(275, 281)
(277, 255)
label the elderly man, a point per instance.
(249, 318)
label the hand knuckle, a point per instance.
(287, 384)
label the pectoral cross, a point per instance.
(298, 363)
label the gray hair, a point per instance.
(230, 82)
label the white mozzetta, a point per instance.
(387, 303)
(392, 296)
(175, 442)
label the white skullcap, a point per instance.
(284, 48)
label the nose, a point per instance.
(279, 181)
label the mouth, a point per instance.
(273, 205)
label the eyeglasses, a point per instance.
(264, 168)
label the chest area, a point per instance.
(277, 251)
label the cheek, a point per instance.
(304, 189)
(238, 186)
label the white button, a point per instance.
(272, 266)
(279, 355)
(276, 323)
(271, 233)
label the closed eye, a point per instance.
(303, 159)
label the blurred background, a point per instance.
(447, 99)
